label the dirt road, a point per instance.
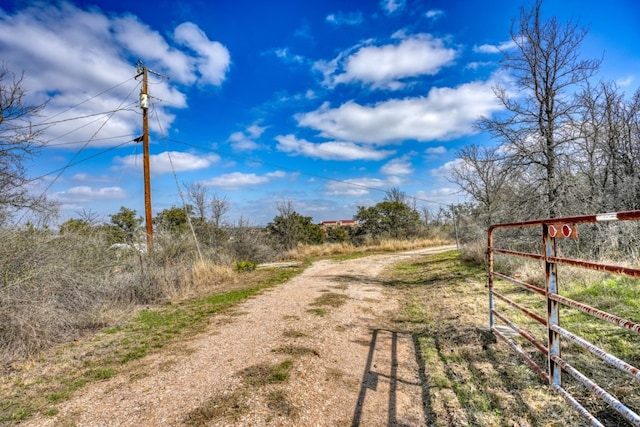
(320, 350)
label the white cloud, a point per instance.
(255, 131)
(434, 13)
(285, 54)
(86, 193)
(443, 195)
(385, 67)
(436, 150)
(236, 180)
(475, 65)
(169, 161)
(333, 150)
(625, 82)
(69, 55)
(399, 166)
(444, 171)
(246, 141)
(354, 187)
(241, 142)
(445, 113)
(392, 6)
(143, 42)
(340, 18)
(490, 48)
(213, 59)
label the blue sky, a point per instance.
(326, 104)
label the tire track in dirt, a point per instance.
(348, 364)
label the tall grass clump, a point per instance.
(51, 289)
(56, 287)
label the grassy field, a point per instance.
(472, 380)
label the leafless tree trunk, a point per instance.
(197, 195)
(609, 153)
(19, 142)
(484, 175)
(546, 68)
(219, 208)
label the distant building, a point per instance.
(348, 223)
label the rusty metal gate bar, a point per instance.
(552, 228)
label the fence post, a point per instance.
(490, 275)
(553, 307)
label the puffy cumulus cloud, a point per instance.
(83, 63)
(387, 66)
(169, 161)
(333, 150)
(399, 166)
(392, 6)
(340, 18)
(236, 180)
(246, 140)
(445, 113)
(143, 42)
(212, 60)
(87, 193)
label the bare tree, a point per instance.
(219, 208)
(609, 153)
(19, 142)
(197, 195)
(484, 174)
(547, 69)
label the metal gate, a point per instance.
(551, 230)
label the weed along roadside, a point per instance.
(467, 378)
(37, 385)
(387, 339)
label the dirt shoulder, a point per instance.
(319, 350)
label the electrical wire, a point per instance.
(93, 156)
(87, 100)
(63, 169)
(110, 114)
(175, 176)
(61, 144)
(103, 113)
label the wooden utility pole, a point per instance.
(144, 104)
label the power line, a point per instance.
(93, 156)
(106, 138)
(63, 169)
(86, 100)
(103, 113)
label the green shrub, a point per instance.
(246, 265)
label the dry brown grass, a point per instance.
(205, 277)
(468, 379)
(332, 249)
